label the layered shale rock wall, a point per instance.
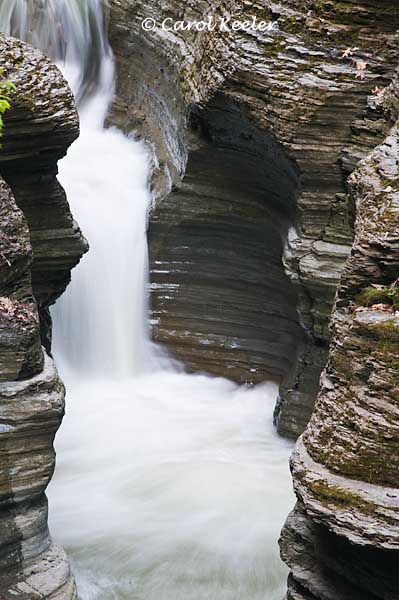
(39, 244)
(41, 125)
(255, 134)
(342, 540)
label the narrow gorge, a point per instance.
(229, 286)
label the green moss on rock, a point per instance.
(371, 295)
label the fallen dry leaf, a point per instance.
(377, 91)
(360, 68)
(382, 307)
(7, 306)
(348, 52)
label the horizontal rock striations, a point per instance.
(33, 208)
(39, 128)
(342, 540)
(220, 298)
(20, 348)
(31, 409)
(255, 132)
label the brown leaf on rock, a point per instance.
(360, 69)
(348, 52)
(382, 307)
(377, 91)
(20, 311)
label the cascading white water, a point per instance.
(99, 324)
(168, 486)
(71, 31)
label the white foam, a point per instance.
(168, 486)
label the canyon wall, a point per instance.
(254, 129)
(342, 539)
(255, 134)
(39, 244)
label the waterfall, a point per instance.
(90, 337)
(71, 32)
(168, 486)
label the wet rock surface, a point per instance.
(39, 128)
(346, 463)
(31, 566)
(220, 298)
(20, 348)
(39, 244)
(225, 91)
(239, 210)
(317, 86)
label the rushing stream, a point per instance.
(168, 486)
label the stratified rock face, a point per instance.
(38, 131)
(220, 298)
(265, 127)
(20, 348)
(41, 125)
(345, 466)
(31, 409)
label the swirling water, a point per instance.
(168, 486)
